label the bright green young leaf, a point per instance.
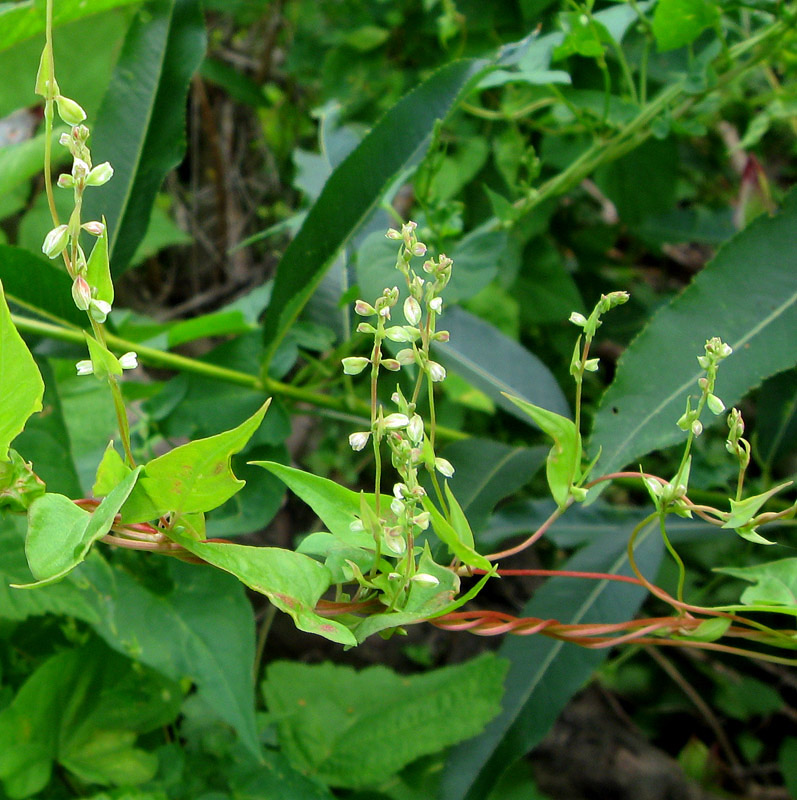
(679, 22)
(336, 506)
(293, 582)
(146, 100)
(98, 269)
(459, 538)
(22, 21)
(111, 472)
(354, 189)
(775, 584)
(326, 715)
(496, 364)
(103, 361)
(742, 511)
(59, 539)
(544, 673)
(83, 709)
(193, 477)
(709, 630)
(21, 385)
(753, 310)
(564, 458)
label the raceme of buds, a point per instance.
(100, 175)
(55, 241)
(69, 111)
(611, 300)
(81, 293)
(358, 440)
(354, 365)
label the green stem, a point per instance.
(674, 553)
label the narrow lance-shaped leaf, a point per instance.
(748, 297)
(193, 477)
(354, 189)
(145, 101)
(21, 385)
(60, 534)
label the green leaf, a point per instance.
(293, 582)
(205, 626)
(354, 189)
(21, 385)
(84, 709)
(111, 472)
(564, 459)
(19, 485)
(459, 539)
(193, 477)
(336, 506)
(146, 101)
(679, 22)
(326, 715)
(544, 673)
(742, 511)
(494, 363)
(775, 584)
(59, 539)
(103, 361)
(754, 311)
(98, 268)
(25, 20)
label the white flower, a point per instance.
(364, 309)
(99, 310)
(415, 428)
(436, 371)
(436, 304)
(128, 360)
(396, 506)
(396, 421)
(85, 367)
(81, 293)
(55, 241)
(357, 441)
(697, 427)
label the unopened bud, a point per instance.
(396, 421)
(437, 371)
(441, 336)
(412, 311)
(99, 310)
(425, 579)
(716, 406)
(95, 227)
(55, 241)
(436, 304)
(591, 364)
(354, 365)
(391, 364)
(392, 233)
(80, 169)
(578, 319)
(364, 309)
(415, 428)
(697, 427)
(100, 175)
(128, 360)
(366, 327)
(406, 356)
(402, 333)
(69, 111)
(81, 293)
(84, 367)
(444, 467)
(418, 249)
(65, 181)
(357, 441)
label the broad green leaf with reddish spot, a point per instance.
(193, 477)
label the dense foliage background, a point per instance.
(556, 151)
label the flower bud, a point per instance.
(436, 371)
(95, 227)
(441, 336)
(81, 293)
(697, 427)
(100, 175)
(366, 327)
(129, 360)
(422, 520)
(401, 333)
(80, 169)
(364, 309)
(396, 506)
(357, 441)
(55, 241)
(391, 363)
(412, 311)
(578, 319)
(85, 367)
(609, 301)
(436, 304)
(65, 139)
(418, 249)
(99, 310)
(354, 365)
(425, 579)
(69, 111)
(444, 467)
(591, 364)
(716, 406)
(415, 428)
(65, 181)
(406, 356)
(396, 421)
(392, 233)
